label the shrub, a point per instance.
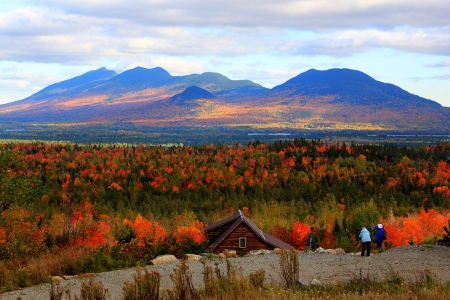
(57, 291)
(145, 287)
(183, 286)
(289, 266)
(257, 278)
(93, 290)
(393, 275)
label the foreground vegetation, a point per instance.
(70, 209)
(218, 284)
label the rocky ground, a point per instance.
(409, 262)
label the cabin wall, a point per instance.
(231, 242)
(215, 233)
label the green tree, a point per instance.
(365, 215)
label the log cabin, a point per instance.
(239, 233)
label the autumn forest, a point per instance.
(68, 208)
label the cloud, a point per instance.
(343, 43)
(219, 62)
(85, 32)
(441, 64)
(442, 77)
(299, 15)
(265, 77)
(21, 77)
(439, 77)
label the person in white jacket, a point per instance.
(365, 239)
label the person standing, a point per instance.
(381, 236)
(364, 235)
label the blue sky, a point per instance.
(403, 42)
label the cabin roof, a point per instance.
(237, 219)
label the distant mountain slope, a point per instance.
(222, 86)
(193, 93)
(140, 77)
(331, 99)
(74, 85)
(351, 86)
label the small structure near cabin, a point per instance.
(239, 233)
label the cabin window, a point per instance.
(242, 242)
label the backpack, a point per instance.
(384, 235)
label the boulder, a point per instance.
(162, 259)
(320, 250)
(278, 250)
(331, 251)
(230, 253)
(258, 252)
(57, 279)
(193, 257)
(339, 251)
(315, 282)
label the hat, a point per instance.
(380, 225)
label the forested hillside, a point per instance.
(127, 205)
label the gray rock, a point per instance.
(193, 257)
(315, 282)
(320, 250)
(57, 279)
(162, 259)
(339, 251)
(259, 252)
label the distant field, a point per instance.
(198, 135)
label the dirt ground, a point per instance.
(409, 261)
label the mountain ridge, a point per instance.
(336, 98)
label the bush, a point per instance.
(289, 267)
(183, 286)
(93, 290)
(145, 287)
(257, 278)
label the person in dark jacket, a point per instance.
(380, 237)
(365, 239)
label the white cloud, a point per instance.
(441, 64)
(443, 77)
(301, 14)
(349, 42)
(266, 77)
(84, 32)
(21, 77)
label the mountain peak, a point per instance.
(331, 75)
(140, 76)
(350, 86)
(193, 93)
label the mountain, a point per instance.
(351, 86)
(337, 99)
(140, 77)
(75, 85)
(192, 93)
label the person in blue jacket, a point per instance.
(365, 239)
(380, 237)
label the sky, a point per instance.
(403, 42)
